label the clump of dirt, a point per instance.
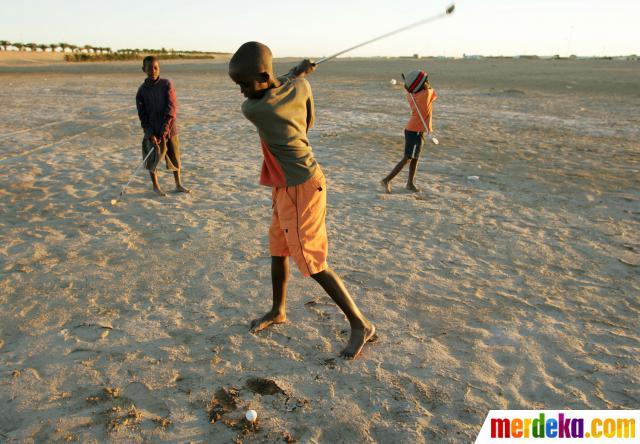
(264, 386)
(120, 418)
(106, 394)
(162, 422)
(224, 401)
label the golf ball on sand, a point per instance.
(392, 82)
(251, 415)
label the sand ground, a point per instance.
(516, 290)
(28, 58)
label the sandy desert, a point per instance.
(511, 281)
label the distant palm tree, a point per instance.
(5, 44)
(88, 48)
(73, 48)
(20, 46)
(43, 47)
(107, 49)
(63, 46)
(32, 46)
(53, 46)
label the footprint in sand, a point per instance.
(146, 400)
(92, 332)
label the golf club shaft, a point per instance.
(136, 171)
(424, 123)
(388, 34)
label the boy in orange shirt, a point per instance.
(421, 94)
(282, 110)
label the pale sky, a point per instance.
(316, 28)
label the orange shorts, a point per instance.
(297, 224)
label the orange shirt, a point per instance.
(424, 99)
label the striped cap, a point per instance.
(414, 80)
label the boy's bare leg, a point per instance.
(279, 278)
(411, 184)
(386, 182)
(156, 185)
(362, 331)
(179, 187)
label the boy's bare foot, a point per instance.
(386, 185)
(159, 191)
(181, 189)
(359, 337)
(267, 320)
(412, 187)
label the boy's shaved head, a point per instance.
(251, 68)
(252, 58)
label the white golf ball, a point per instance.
(251, 415)
(392, 82)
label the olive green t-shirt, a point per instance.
(283, 116)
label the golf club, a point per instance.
(124, 188)
(447, 12)
(424, 123)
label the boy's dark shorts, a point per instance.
(169, 151)
(413, 142)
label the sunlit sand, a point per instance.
(510, 281)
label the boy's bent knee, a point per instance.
(321, 274)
